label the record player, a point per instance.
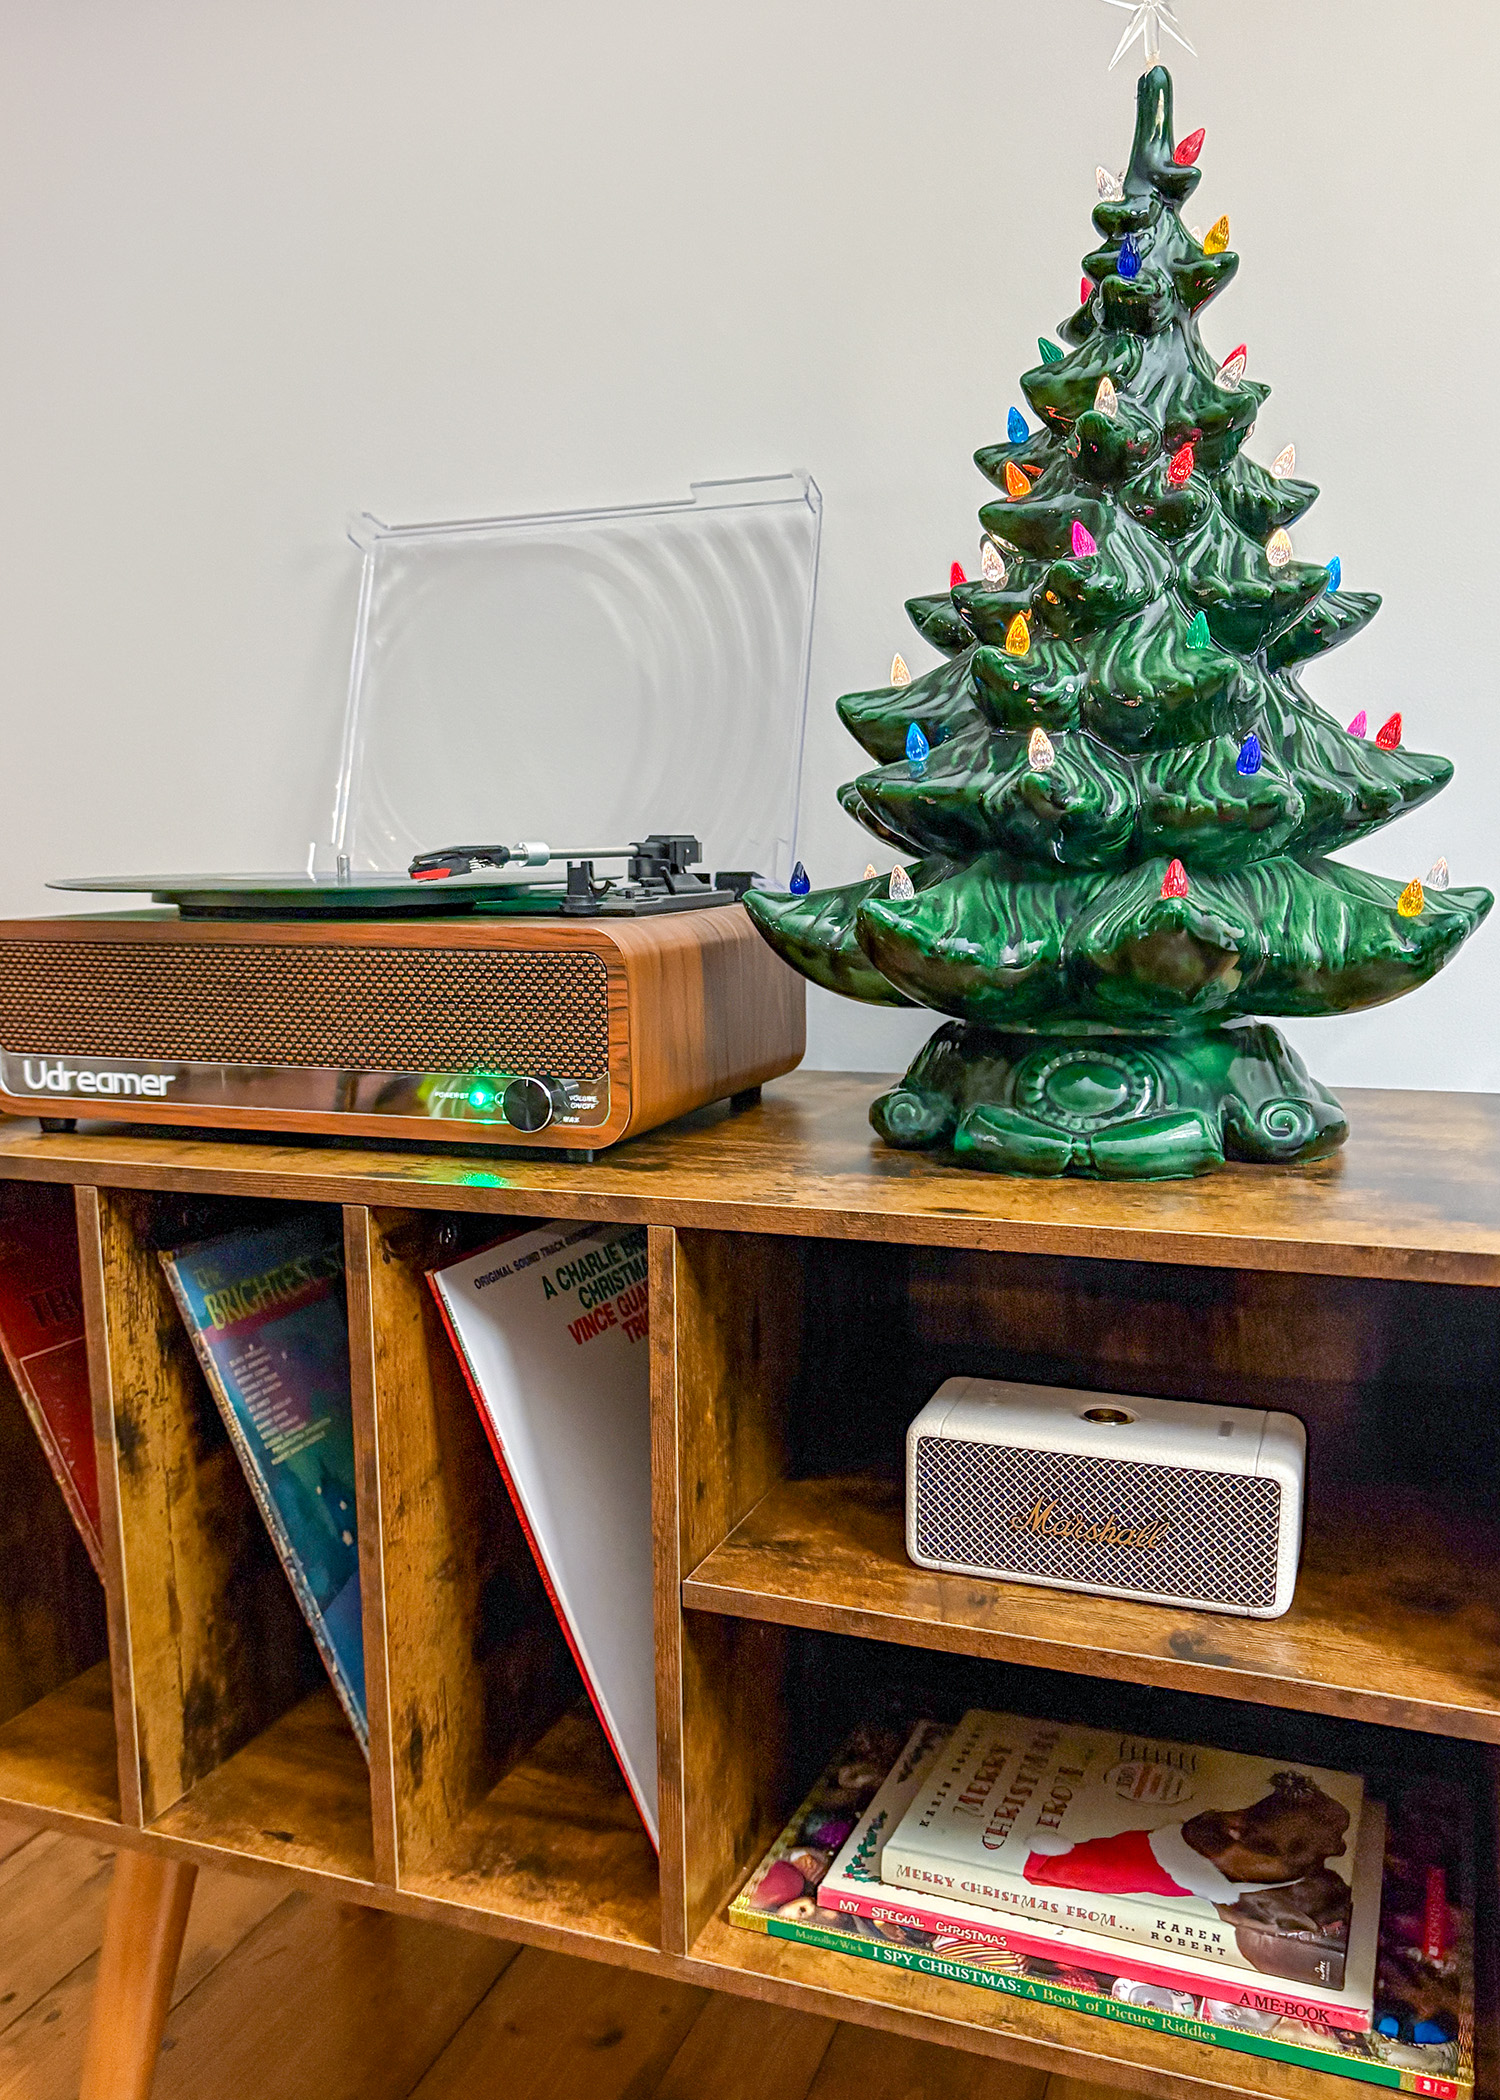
(586, 672)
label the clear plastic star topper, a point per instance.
(1148, 18)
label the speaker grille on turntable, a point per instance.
(541, 1010)
(1219, 1531)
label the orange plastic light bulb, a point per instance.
(1016, 483)
(1217, 238)
(899, 673)
(1388, 735)
(1175, 883)
(1411, 900)
(1180, 472)
(1018, 637)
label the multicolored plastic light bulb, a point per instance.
(1411, 900)
(1018, 637)
(899, 673)
(1279, 548)
(1180, 472)
(1175, 883)
(1128, 262)
(1437, 877)
(1186, 151)
(1017, 429)
(918, 750)
(1198, 636)
(1016, 483)
(1216, 240)
(900, 889)
(1388, 735)
(800, 883)
(1106, 400)
(1051, 354)
(1232, 371)
(1360, 725)
(956, 576)
(1249, 759)
(1084, 543)
(1335, 573)
(991, 562)
(1041, 752)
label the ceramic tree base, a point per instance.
(1111, 1107)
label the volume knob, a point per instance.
(530, 1104)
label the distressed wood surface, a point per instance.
(470, 1665)
(726, 1339)
(297, 1794)
(1415, 1194)
(1396, 1617)
(217, 1646)
(557, 1846)
(58, 1756)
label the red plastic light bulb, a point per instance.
(1084, 543)
(1175, 883)
(1180, 473)
(1388, 735)
(956, 576)
(1188, 149)
(1086, 291)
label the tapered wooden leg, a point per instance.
(149, 1901)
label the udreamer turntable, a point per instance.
(586, 675)
(446, 1004)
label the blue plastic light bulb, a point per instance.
(799, 884)
(1335, 573)
(1249, 758)
(1129, 264)
(1017, 429)
(917, 749)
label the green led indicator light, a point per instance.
(480, 1097)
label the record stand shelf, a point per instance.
(808, 1291)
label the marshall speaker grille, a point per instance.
(540, 1010)
(977, 1506)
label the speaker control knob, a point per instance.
(530, 1104)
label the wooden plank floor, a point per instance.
(284, 1996)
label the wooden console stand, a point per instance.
(808, 1291)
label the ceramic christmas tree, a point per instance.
(1121, 797)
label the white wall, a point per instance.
(265, 263)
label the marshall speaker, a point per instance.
(1161, 1501)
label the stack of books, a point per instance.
(1255, 1904)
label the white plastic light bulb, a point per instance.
(1285, 463)
(991, 563)
(902, 888)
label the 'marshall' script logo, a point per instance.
(1043, 1519)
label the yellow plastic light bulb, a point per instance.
(1409, 903)
(1285, 463)
(899, 673)
(902, 888)
(1018, 637)
(1279, 548)
(1106, 400)
(1016, 483)
(991, 562)
(869, 871)
(1041, 755)
(1217, 239)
